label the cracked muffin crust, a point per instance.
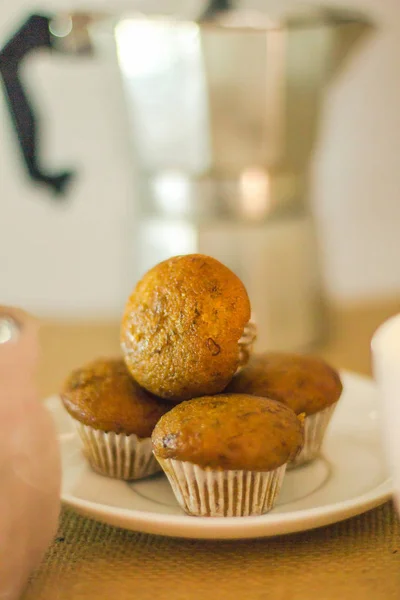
(104, 396)
(182, 325)
(230, 432)
(306, 384)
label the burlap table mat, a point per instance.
(358, 559)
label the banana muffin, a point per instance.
(185, 326)
(306, 384)
(114, 418)
(226, 455)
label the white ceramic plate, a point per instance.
(350, 478)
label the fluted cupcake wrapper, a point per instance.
(314, 431)
(116, 454)
(246, 343)
(217, 493)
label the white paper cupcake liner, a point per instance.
(216, 493)
(314, 431)
(246, 343)
(116, 454)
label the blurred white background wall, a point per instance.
(72, 258)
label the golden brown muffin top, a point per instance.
(229, 431)
(304, 383)
(181, 327)
(103, 395)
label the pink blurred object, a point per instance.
(29, 457)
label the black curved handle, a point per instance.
(33, 34)
(215, 7)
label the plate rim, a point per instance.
(231, 527)
(268, 525)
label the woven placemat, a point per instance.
(357, 559)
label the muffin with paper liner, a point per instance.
(114, 418)
(226, 455)
(186, 330)
(306, 384)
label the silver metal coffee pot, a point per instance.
(225, 110)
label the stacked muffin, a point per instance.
(186, 399)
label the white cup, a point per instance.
(386, 365)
